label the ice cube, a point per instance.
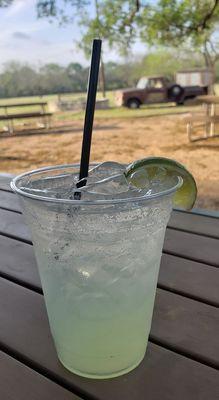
(100, 172)
(105, 170)
(113, 187)
(147, 177)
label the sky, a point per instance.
(26, 39)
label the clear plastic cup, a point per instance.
(98, 263)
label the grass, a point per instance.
(123, 112)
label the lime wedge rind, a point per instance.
(185, 196)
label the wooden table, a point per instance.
(10, 116)
(182, 358)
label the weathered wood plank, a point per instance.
(18, 382)
(5, 180)
(17, 262)
(13, 224)
(191, 246)
(37, 103)
(36, 114)
(186, 325)
(22, 311)
(190, 278)
(194, 223)
(183, 244)
(8, 200)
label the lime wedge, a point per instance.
(140, 172)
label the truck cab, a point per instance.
(159, 89)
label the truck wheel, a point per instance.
(133, 104)
(175, 93)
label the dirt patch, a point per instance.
(123, 141)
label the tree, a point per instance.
(169, 23)
(78, 76)
(180, 22)
(94, 29)
(120, 75)
(51, 9)
(164, 22)
(18, 80)
(114, 20)
(167, 62)
(56, 8)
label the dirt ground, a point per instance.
(122, 140)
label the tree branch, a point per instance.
(207, 55)
(134, 12)
(209, 15)
(183, 29)
(129, 21)
(212, 47)
(202, 25)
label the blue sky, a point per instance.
(37, 41)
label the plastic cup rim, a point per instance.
(21, 192)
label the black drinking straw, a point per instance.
(89, 113)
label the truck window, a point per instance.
(142, 83)
(156, 83)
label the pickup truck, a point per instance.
(158, 89)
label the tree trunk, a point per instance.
(214, 78)
(210, 64)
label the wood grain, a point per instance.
(18, 263)
(187, 326)
(9, 201)
(194, 223)
(190, 278)
(18, 382)
(5, 180)
(193, 247)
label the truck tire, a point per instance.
(176, 93)
(133, 103)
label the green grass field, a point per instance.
(123, 112)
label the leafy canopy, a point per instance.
(120, 21)
(155, 22)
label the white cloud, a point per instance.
(9, 28)
(21, 35)
(44, 42)
(18, 6)
(40, 52)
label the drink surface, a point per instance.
(106, 181)
(99, 268)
